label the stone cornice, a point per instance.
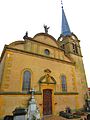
(66, 93)
(35, 54)
(37, 93)
(20, 93)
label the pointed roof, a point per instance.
(65, 30)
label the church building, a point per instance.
(53, 67)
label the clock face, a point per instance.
(47, 52)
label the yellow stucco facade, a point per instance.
(46, 69)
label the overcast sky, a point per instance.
(19, 16)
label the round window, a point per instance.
(46, 51)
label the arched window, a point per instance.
(63, 83)
(75, 49)
(26, 80)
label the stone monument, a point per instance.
(33, 111)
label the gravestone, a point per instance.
(8, 117)
(88, 116)
(19, 114)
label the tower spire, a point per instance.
(65, 30)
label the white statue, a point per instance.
(33, 110)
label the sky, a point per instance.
(19, 16)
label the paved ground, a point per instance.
(59, 118)
(54, 118)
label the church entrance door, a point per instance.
(47, 102)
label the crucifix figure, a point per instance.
(46, 28)
(32, 92)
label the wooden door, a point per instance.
(47, 102)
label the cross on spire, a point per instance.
(61, 3)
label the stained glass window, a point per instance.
(26, 80)
(63, 82)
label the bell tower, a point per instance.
(67, 40)
(70, 43)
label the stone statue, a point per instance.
(46, 29)
(26, 35)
